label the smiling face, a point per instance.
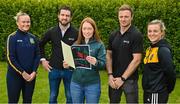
(24, 23)
(64, 17)
(154, 33)
(87, 30)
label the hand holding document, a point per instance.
(67, 54)
(75, 55)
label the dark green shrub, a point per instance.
(104, 12)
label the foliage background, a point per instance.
(44, 15)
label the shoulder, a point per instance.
(31, 35)
(12, 35)
(135, 31)
(114, 32)
(73, 28)
(164, 50)
(164, 53)
(100, 43)
(97, 44)
(164, 45)
(52, 29)
(34, 37)
(135, 34)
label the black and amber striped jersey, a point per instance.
(158, 74)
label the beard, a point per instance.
(64, 23)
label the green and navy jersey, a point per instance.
(91, 76)
(22, 52)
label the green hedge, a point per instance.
(104, 12)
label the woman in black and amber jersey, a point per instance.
(159, 75)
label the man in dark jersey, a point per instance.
(123, 57)
(65, 32)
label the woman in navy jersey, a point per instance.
(23, 60)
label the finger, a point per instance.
(118, 87)
(49, 67)
(28, 80)
(31, 78)
(64, 62)
(48, 70)
(112, 85)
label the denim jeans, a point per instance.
(89, 92)
(55, 77)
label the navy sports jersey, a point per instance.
(22, 52)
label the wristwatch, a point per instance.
(109, 74)
(123, 79)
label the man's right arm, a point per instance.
(109, 68)
(109, 61)
(42, 43)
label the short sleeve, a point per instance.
(111, 38)
(137, 43)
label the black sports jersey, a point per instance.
(54, 36)
(123, 47)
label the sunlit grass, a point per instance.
(41, 93)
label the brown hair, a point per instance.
(126, 7)
(65, 7)
(95, 34)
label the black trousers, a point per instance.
(155, 98)
(130, 89)
(16, 84)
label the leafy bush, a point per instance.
(44, 15)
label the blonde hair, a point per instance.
(161, 24)
(95, 34)
(20, 13)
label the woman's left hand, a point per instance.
(91, 60)
(33, 75)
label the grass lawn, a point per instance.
(41, 93)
